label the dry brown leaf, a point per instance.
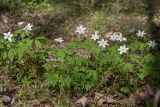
(108, 35)
(102, 101)
(141, 96)
(82, 101)
(111, 100)
(138, 97)
(157, 99)
(6, 99)
(82, 52)
(5, 19)
(39, 103)
(150, 91)
(51, 58)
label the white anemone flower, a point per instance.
(122, 49)
(28, 27)
(80, 29)
(113, 38)
(95, 36)
(140, 33)
(60, 40)
(152, 43)
(118, 36)
(103, 43)
(8, 36)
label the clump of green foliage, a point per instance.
(78, 66)
(82, 74)
(20, 57)
(23, 4)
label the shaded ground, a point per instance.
(58, 24)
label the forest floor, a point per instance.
(58, 24)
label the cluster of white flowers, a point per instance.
(117, 36)
(113, 36)
(102, 43)
(28, 27)
(79, 30)
(8, 36)
(151, 43)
